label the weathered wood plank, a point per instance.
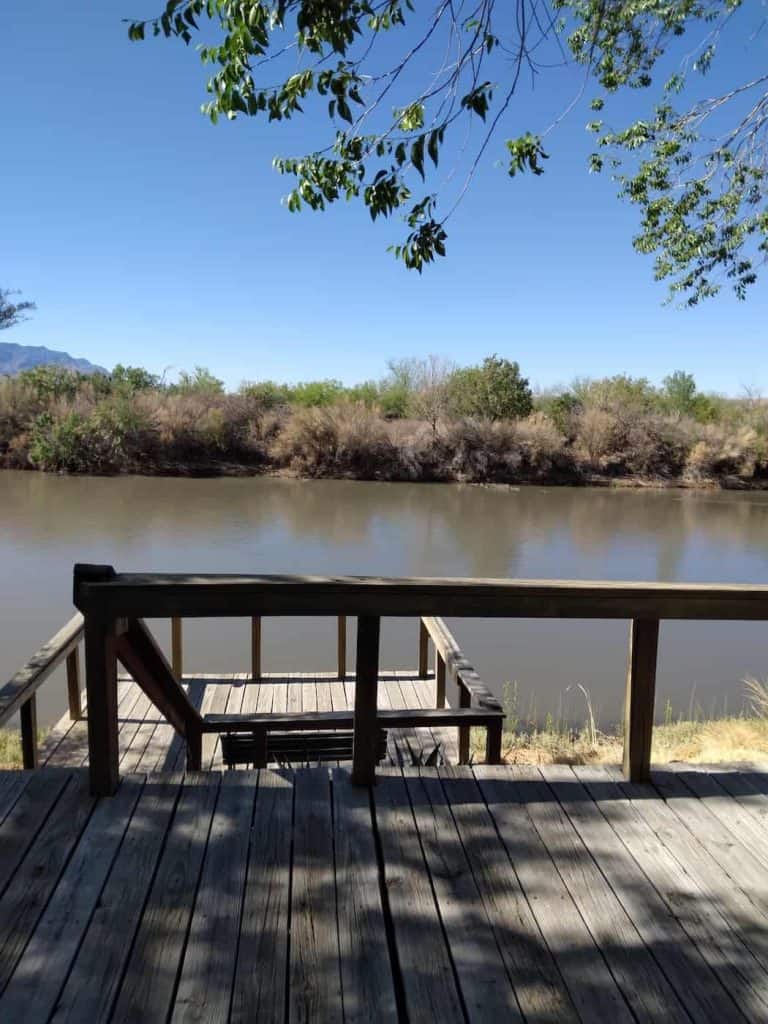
(314, 987)
(429, 986)
(540, 990)
(592, 987)
(693, 851)
(205, 985)
(747, 828)
(645, 987)
(680, 958)
(698, 914)
(92, 984)
(12, 785)
(147, 989)
(35, 879)
(717, 838)
(368, 989)
(32, 991)
(39, 667)
(259, 985)
(158, 595)
(485, 985)
(27, 816)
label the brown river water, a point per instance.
(337, 527)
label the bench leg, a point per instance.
(493, 743)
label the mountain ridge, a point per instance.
(16, 358)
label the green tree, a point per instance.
(200, 381)
(695, 164)
(12, 313)
(680, 395)
(132, 379)
(496, 390)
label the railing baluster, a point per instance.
(255, 648)
(465, 701)
(177, 648)
(366, 726)
(423, 650)
(640, 698)
(29, 732)
(341, 647)
(439, 680)
(73, 685)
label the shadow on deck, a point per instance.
(454, 894)
(148, 743)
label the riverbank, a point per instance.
(618, 432)
(727, 740)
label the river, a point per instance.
(337, 527)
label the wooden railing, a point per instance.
(20, 693)
(177, 647)
(109, 600)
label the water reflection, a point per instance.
(271, 525)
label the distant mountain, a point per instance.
(15, 358)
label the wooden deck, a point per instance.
(148, 743)
(454, 894)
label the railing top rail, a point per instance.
(21, 686)
(457, 664)
(100, 591)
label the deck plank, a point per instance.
(205, 985)
(314, 990)
(740, 910)
(367, 984)
(91, 987)
(717, 838)
(485, 986)
(12, 785)
(679, 957)
(719, 945)
(457, 894)
(34, 881)
(593, 988)
(262, 957)
(429, 985)
(32, 991)
(146, 992)
(642, 982)
(27, 816)
(541, 992)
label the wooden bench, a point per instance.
(262, 748)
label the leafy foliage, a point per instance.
(494, 390)
(12, 313)
(701, 193)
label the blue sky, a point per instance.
(148, 236)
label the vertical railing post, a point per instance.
(640, 698)
(439, 680)
(29, 733)
(366, 701)
(493, 742)
(101, 691)
(423, 650)
(465, 701)
(73, 685)
(341, 647)
(255, 648)
(177, 648)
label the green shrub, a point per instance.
(493, 391)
